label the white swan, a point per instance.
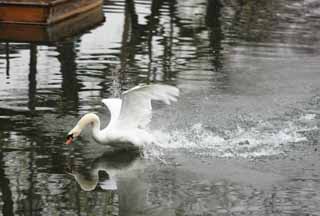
(129, 116)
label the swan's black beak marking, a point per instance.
(69, 139)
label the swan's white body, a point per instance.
(130, 116)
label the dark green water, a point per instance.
(243, 139)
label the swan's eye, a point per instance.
(69, 139)
(70, 136)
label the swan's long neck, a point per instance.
(87, 183)
(90, 182)
(94, 121)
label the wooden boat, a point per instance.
(43, 12)
(43, 34)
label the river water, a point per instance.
(241, 140)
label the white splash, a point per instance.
(262, 140)
(308, 116)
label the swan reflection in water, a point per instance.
(105, 169)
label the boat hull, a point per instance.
(43, 12)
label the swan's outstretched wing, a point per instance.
(136, 104)
(114, 106)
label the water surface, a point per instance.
(242, 139)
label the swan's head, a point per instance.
(88, 119)
(75, 132)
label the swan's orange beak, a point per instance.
(69, 139)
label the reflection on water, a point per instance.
(249, 76)
(110, 164)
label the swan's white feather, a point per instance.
(136, 110)
(114, 106)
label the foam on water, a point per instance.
(264, 139)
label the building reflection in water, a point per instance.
(70, 84)
(32, 77)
